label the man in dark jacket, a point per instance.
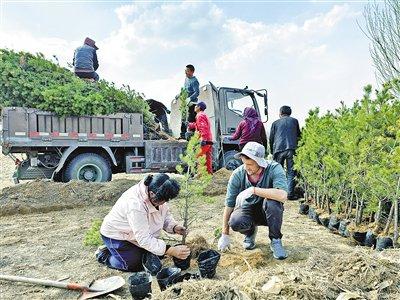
(85, 60)
(285, 133)
(160, 112)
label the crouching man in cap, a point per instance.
(255, 195)
(85, 60)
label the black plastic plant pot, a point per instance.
(370, 239)
(311, 213)
(151, 263)
(324, 221)
(186, 276)
(167, 277)
(383, 243)
(359, 237)
(333, 223)
(343, 231)
(182, 264)
(207, 262)
(140, 285)
(303, 210)
(316, 218)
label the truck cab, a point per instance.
(225, 107)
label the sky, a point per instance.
(305, 53)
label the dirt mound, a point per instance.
(45, 196)
(322, 276)
(218, 183)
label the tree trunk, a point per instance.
(305, 191)
(396, 213)
(360, 212)
(357, 206)
(389, 220)
(348, 212)
(328, 207)
(396, 220)
(378, 213)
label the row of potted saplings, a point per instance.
(140, 282)
(335, 225)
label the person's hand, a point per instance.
(247, 193)
(203, 143)
(224, 242)
(180, 251)
(178, 229)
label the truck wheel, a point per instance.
(231, 163)
(89, 167)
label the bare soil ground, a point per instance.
(42, 236)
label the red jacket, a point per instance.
(203, 126)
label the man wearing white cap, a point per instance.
(255, 195)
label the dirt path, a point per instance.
(320, 265)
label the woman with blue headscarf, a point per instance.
(251, 129)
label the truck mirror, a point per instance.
(266, 104)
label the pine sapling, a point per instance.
(195, 180)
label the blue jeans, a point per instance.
(287, 156)
(122, 255)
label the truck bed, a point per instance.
(27, 127)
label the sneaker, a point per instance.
(249, 242)
(102, 253)
(277, 249)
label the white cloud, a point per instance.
(303, 64)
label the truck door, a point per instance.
(233, 102)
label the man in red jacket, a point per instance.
(203, 126)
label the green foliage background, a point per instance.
(29, 80)
(351, 157)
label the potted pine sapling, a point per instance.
(195, 179)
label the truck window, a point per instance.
(238, 101)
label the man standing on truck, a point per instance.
(284, 135)
(203, 126)
(255, 195)
(85, 60)
(160, 112)
(192, 87)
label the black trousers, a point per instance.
(287, 156)
(190, 118)
(266, 213)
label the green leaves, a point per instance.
(354, 149)
(92, 236)
(183, 108)
(32, 81)
(195, 180)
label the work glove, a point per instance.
(168, 111)
(241, 198)
(224, 242)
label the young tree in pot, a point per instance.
(194, 181)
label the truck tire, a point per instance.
(231, 163)
(89, 167)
